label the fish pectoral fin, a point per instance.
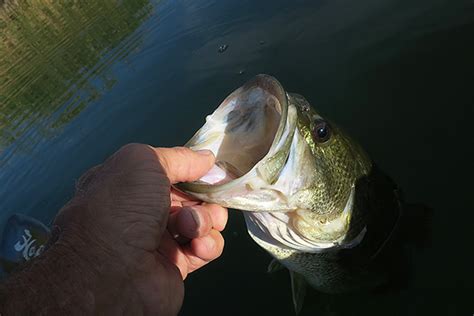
(298, 289)
(275, 266)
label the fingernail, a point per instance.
(192, 217)
(205, 152)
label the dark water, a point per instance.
(77, 81)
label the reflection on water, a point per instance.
(50, 51)
(78, 79)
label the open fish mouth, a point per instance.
(294, 194)
(306, 187)
(250, 135)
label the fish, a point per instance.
(311, 196)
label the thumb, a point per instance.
(182, 164)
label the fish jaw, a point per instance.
(251, 187)
(290, 173)
(255, 190)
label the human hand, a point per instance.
(127, 239)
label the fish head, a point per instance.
(334, 163)
(278, 158)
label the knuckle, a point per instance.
(87, 179)
(133, 156)
(174, 161)
(182, 152)
(164, 162)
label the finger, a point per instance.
(172, 224)
(181, 164)
(170, 249)
(219, 215)
(190, 222)
(184, 203)
(178, 195)
(175, 205)
(194, 255)
(202, 250)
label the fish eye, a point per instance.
(321, 131)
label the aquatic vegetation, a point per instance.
(49, 51)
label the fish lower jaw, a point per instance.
(315, 227)
(320, 230)
(275, 229)
(293, 231)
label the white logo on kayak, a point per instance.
(27, 246)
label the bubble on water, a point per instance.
(223, 48)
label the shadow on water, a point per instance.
(79, 80)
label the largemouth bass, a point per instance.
(310, 194)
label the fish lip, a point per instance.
(274, 87)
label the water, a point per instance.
(80, 80)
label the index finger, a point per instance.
(180, 196)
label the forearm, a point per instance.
(47, 285)
(66, 280)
